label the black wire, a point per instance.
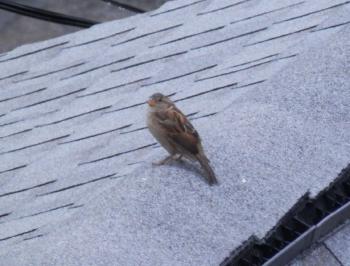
(45, 14)
(125, 6)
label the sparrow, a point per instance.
(171, 128)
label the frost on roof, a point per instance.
(264, 82)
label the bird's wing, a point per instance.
(178, 129)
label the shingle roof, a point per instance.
(265, 83)
(334, 250)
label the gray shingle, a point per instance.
(318, 256)
(333, 250)
(339, 243)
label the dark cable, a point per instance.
(125, 6)
(45, 14)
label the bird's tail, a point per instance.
(209, 172)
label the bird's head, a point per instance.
(159, 101)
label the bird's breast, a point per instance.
(158, 132)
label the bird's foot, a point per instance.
(178, 158)
(167, 159)
(164, 161)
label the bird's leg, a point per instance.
(179, 157)
(165, 160)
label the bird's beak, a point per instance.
(151, 102)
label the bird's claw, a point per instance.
(174, 157)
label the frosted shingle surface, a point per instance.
(264, 82)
